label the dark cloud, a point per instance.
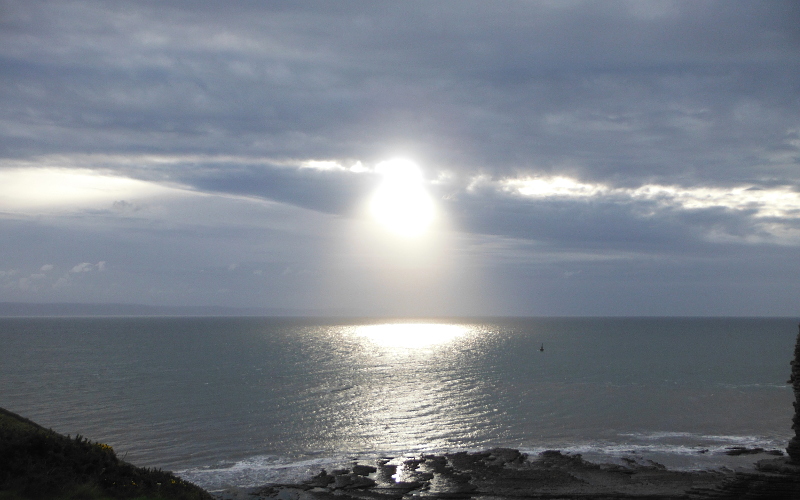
(615, 88)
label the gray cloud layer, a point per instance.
(694, 99)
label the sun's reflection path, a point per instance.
(418, 387)
(411, 335)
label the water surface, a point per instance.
(246, 400)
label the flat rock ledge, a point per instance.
(504, 473)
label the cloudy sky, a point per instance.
(404, 158)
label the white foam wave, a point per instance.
(678, 450)
(706, 439)
(782, 387)
(257, 471)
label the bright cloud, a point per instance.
(552, 187)
(778, 202)
(44, 188)
(85, 267)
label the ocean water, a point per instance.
(244, 401)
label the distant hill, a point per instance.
(8, 309)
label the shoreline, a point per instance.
(504, 473)
(258, 470)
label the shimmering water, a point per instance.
(248, 400)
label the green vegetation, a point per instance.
(38, 463)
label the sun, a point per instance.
(400, 204)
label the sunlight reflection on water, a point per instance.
(411, 335)
(417, 388)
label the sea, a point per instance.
(244, 401)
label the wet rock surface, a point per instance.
(735, 451)
(508, 474)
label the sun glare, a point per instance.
(401, 204)
(411, 335)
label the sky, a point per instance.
(403, 158)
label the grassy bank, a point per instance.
(38, 463)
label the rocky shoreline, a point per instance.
(504, 473)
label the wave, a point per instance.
(743, 440)
(677, 450)
(782, 387)
(259, 470)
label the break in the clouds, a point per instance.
(627, 157)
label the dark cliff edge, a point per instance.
(793, 449)
(38, 463)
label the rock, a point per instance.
(778, 466)
(357, 481)
(423, 476)
(412, 463)
(503, 456)
(735, 451)
(341, 481)
(435, 463)
(350, 481)
(364, 470)
(551, 453)
(320, 480)
(554, 458)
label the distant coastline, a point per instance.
(96, 309)
(73, 309)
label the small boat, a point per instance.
(541, 349)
